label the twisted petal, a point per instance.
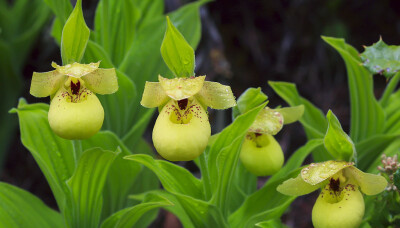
(102, 81)
(76, 70)
(291, 114)
(181, 88)
(370, 184)
(297, 187)
(268, 121)
(46, 84)
(316, 173)
(216, 96)
(153, 95)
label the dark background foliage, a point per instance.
(246, 43)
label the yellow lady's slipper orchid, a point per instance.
(340, 203)
(75, 111)
(182, 129)
(261, 154)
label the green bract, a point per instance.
(182, 128)
(340, 203)
(75, 111)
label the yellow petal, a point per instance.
(153, 95)
(315, 173)
(370, 184)
(76, 70)
(181, 88)
(297, 187)
(102, 81)
(268, 121)
(46, 84)
(216, 96)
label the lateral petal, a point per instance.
(216, 95)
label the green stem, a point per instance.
(77, 144)
(389, 89)
(205, 175)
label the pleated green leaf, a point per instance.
(258, 205)
(367, 116)
(121, 176)
(313, 120)
(85, 201)
(223, 157)
(54, 155)
(129, 217)
(19, 208)
(75, 36)
(173, 178)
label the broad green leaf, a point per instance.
(61, 8)
(75, 36)
(370, 150)
(381, 58)
(176, 209)
(119, 107)
(134, 135)
(389, 149)
(129, 217)
(115, 27)
(267, 198)
(388, 92)
(271, 224)
(249, 99)
(121, 176)
(54, 155)
(337, 142)
(19, 208)
(367, 116)
(274, 213)
(174, 178)
(313, 120)
(202, 213)
(143, 61)
(177, 52)
(95, 53)
(291, 114)
(223, 157)
(396, 179)
(85, 201)
(392, 124)
(149, 9)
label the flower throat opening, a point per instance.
(76, 92)
(181, 112)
